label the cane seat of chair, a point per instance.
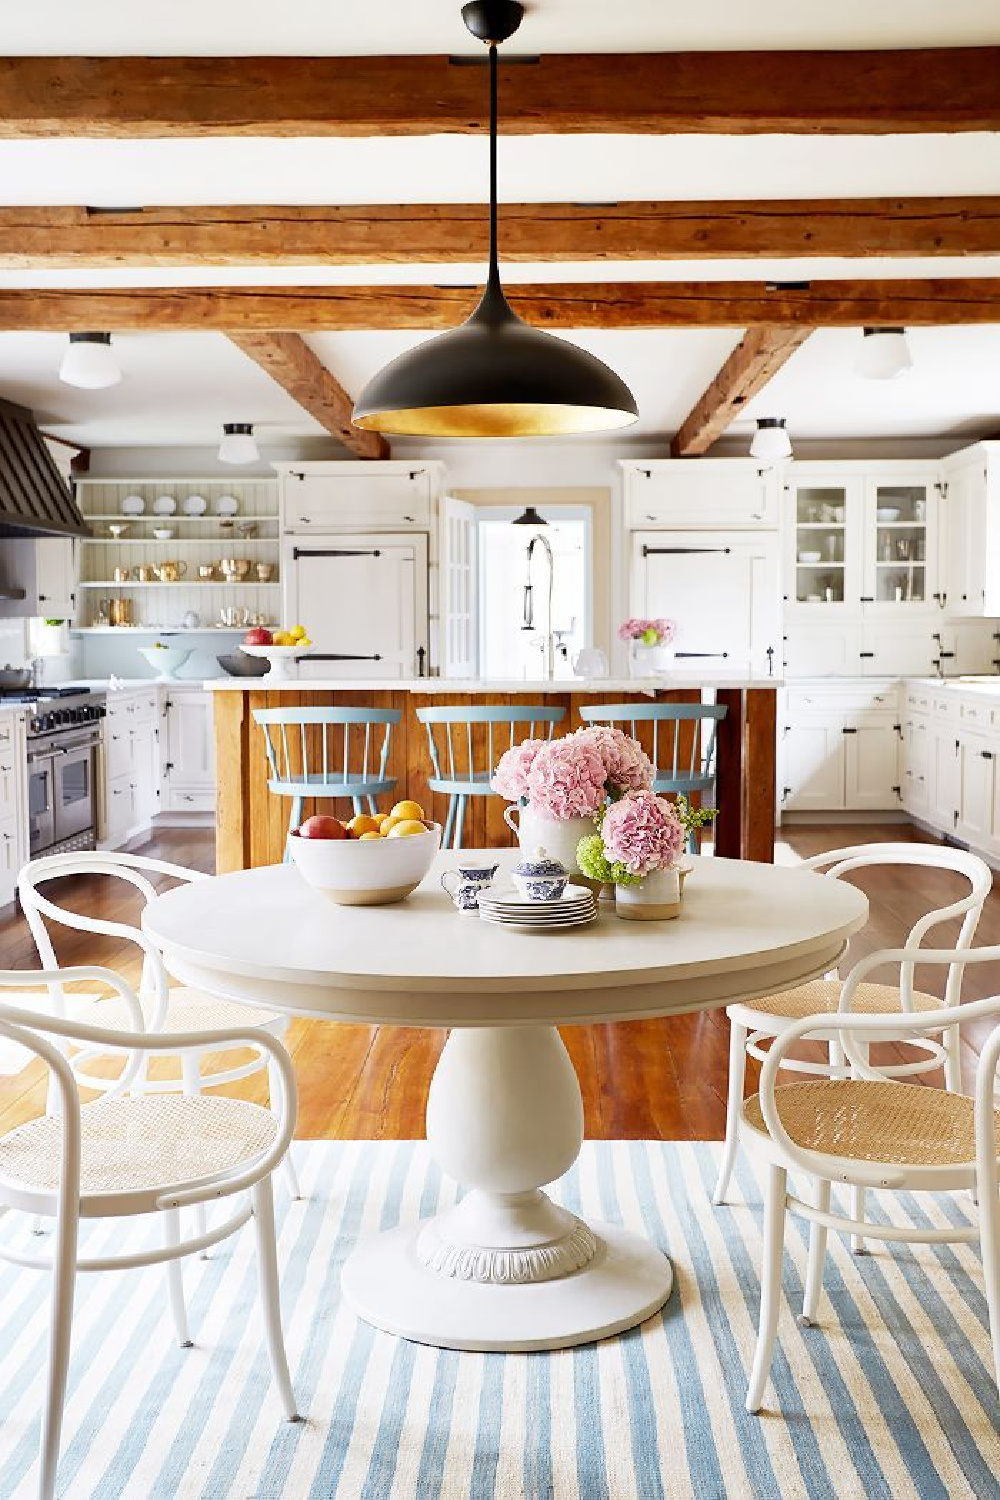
(822, 996)
(137, 1145)
(187, 1010)
(862, 1120)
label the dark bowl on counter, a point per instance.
(238, 664)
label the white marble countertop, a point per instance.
(505, 685)
(987, 686)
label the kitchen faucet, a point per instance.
(529, 607)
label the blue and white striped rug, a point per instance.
(893, 1397)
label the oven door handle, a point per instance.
(53, 750)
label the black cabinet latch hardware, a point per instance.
(846, 729)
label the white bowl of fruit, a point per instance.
(369, 860)
(282, 648)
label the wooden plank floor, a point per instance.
(642, 1079)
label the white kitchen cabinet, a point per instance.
(187, 750)
(131, 775)
(324, 497)
(363, 599)
(900, 542)
(813, 758)
(840, 748)
(916, 775)
(899, 648)
(825, 648)
(970, 525)
(822, 539)
(699, 493)
(975, 802)
(13, 803)
(46, 568)
(721, 590)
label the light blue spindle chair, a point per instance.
(680, 769)
(459, 771)
(341, 757)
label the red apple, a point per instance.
(322, 827)
(258, 636)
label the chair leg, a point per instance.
(372, 806)
(175, 1276)
(989, 1236)
(191, 1075)
(63, 1286)
(858, 1246)
(459, 823)
(734, 1106)
(356, 804)
(817, 1257)
(448, 823)
(294, 819)
(770, 1284)
(267, 1267)
(287, 1168)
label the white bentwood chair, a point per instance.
(870, 1131)
(165, 1007)
(770, 1016)
(136, 1155)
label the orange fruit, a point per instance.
(363, 823)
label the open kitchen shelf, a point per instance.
(180, 583)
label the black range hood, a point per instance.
(35, 499)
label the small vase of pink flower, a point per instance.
(558, 788)
(650, 644)
(639, 847)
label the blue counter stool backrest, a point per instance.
(328, 753)
(681, 768)
(464, 761)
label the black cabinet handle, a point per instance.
(847, 730)
(986, 754)
(864, 654)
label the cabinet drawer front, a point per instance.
(10, 853)
(194, 799)
(720, 493)
(918, 700)
(6, 733)
(843, 702)
(325, 502)
(976, 713)
(117, 748)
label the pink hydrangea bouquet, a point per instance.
(639, 835)
(648, 632)
(575, 776)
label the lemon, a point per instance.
(362, 823)
(387, 825)
(406, 828)
(363, 836)
(299, 632)
(409, 810)
(379, 818)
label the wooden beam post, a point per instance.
(239, 310)
(757, 357)
(288, 359)
(441, 233)
(649, 93)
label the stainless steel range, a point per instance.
(64, 732)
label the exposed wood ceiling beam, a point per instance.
(561, 305)
(877, 92)
(757, 357)
(379, 234)
(288, 359)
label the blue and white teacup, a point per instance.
(469, 883)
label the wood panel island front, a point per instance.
(251, 823)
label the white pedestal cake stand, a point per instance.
(506, 1269)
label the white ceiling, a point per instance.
(249, 27)
(177, 390)
(453, 169)
(953, 389)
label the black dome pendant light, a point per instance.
(495, 376)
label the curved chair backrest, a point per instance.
(319, 747)
(682, 760)
(837, 863)
(135, 869)
(460, 754)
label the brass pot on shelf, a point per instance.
(170, 572)
(145, 573)
(119, 611)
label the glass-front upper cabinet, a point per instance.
(900, 542)
(822, 533)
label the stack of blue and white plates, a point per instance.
(506, 907)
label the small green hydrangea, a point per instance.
(594, 863)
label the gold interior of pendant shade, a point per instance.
(514, 419)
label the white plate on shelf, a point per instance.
(195, 505)
(227, 505)
(164, 505)
(133, 505)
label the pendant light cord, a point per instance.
(493, 282)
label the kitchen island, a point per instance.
(251, 823)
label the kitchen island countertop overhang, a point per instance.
(252, 822)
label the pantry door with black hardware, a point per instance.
(363, 600)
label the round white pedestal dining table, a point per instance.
(506, 1268)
